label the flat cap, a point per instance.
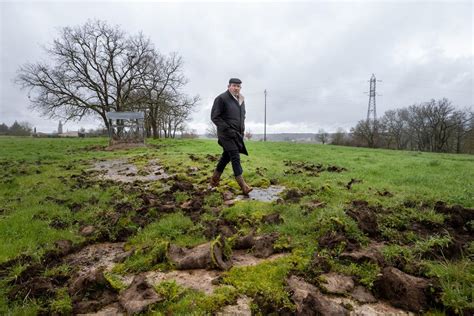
(235, 80)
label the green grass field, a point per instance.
(46, 195)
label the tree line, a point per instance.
(434, 126)
(16, 129)
(97, 68)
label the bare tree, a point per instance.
(430, 126)
(394, 125)
(468, 139)
(440, 123)
(211, 129)
(248, 135)
(462, 121)
(338, 138)
(175, 113)
(365, 133)
(94, 69)
(322, 136)
(167, 106)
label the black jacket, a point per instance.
(229, 117)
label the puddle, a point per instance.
(270, 194)
(122, 170)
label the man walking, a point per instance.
(228, 114)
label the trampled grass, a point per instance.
(42, 201)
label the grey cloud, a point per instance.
(313, 58)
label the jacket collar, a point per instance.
(241, 98)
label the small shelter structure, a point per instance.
(126, 128)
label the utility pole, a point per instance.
(265, 118)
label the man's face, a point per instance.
(234, 88)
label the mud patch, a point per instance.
(201, 279)
(121, 170)
(218, 227)
(335, 283)
(365, 217)
(385, 193)
(457, 225)
(294, 195)
(403, 290)
(138, 296)
(312, 205)
(337, 239)
(459, 217)
(88, 288)
(310, 301)
(370, 254)
(352, 182)
(309, 169)
(103, 255)
(197, 279)
(242, 258)
(241, 308)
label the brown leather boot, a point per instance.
(216, 177)
(246, 189)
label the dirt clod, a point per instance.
(181, 186)
(205, 256)
(365, 217)
(219, 227)
(293, 195)
(336, 283)
(227, 195)
(245, 242)
(333, 240)
(138, 296)
(352, 182)
(362, 295)
(368, 254)
(33, 288)
(87, 230)
(63, 247)
(309, 301)
(403, 290)
(385, 193)
(272, 219)
(263, 247)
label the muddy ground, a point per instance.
(93, 287)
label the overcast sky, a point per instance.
(314, 58)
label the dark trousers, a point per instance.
(230, 156)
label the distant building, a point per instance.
(60, 128)
(69, 134)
